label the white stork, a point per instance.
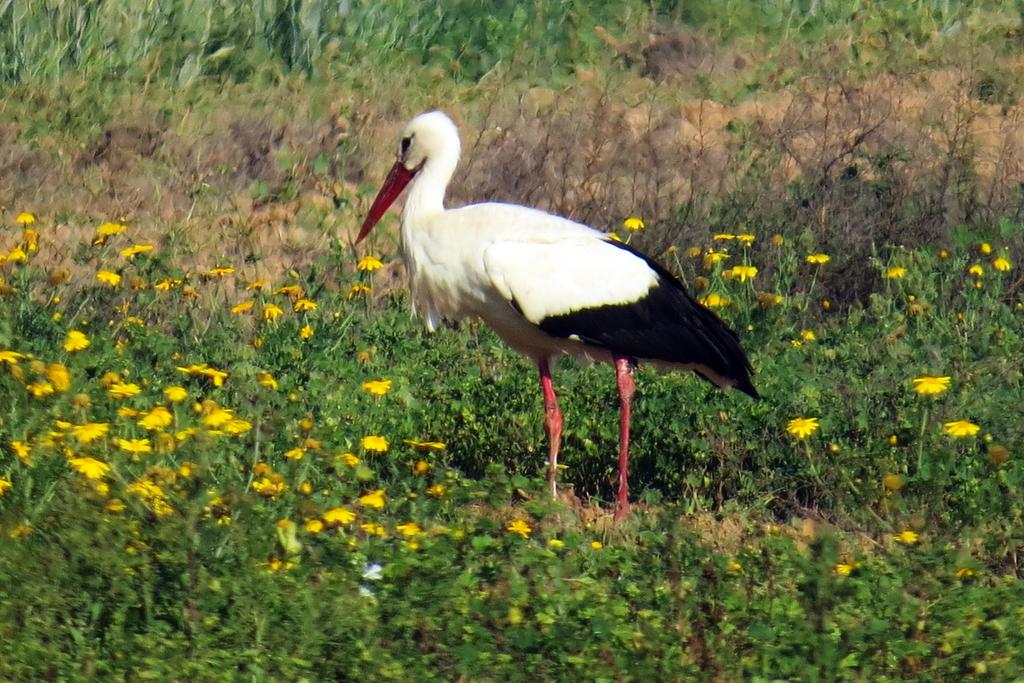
(546, 285)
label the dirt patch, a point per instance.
(119, 144)
(679, 55)
(265, 180)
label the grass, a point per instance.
(260, 467)
(256, 524)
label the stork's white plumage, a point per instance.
(546, 285)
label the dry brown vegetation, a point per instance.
(268, 177)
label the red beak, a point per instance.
(397, 179)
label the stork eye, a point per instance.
(405, 144)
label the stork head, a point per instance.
(430, 137)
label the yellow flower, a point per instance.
(892, 482)
(742, 273)
(185, 434)
(1001, 264)
(214, 375)
(123, 390)
(745, 239)
(175, 394)
(712, 257)
(5, 485)
(295, 454)
(89, 432)
(374, 499)
(272, 312)
(713, 300)
(25, 218)
(22, 450)
(236, 426)
(304, 305)
(985, 248)
(425, 445)
(350, 459)
(377, 387)
(220, 271)
(204, 370)
(961, 428)
(270, 486)
(377, 444)
(930, 386)
(167, 285)
(314, 526)
(293, 291)
(306, 332)
(216, 416)
(818, 259)
(357, 290)
(906, 537)
(279, 565)
(807, 335)
(964, 573)
(724, 237)
(109, 229)
(976, 270)
(896, 272)
(151, 494)
(372, 528)
(256, 285)
(338, 516)
(243, 307)
(421, 467)
(409, 529)
(555, 544)
(802, 427)
(266, 380)
(108, 277)
(596, 545)
(17, 255)
(115, 505)
(40, 389)
(633, 224)
(59, 376)
(437, 490)
(135, 445)
(10, 357)
(369, 264)
(157, 418)
(136, 249)
(76, 341)
(519, 527)
(844, 569)
(90, 468)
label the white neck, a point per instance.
(426, 193)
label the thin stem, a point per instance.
(920, 440)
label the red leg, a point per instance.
(552, 423)
(624, 378)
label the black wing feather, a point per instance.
(665, 325)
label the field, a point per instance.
(229, 452)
